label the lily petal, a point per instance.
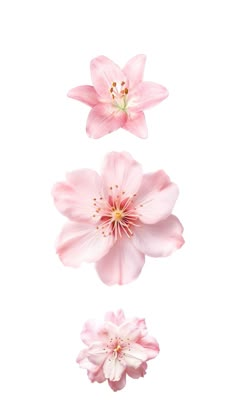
(86, 94)
(122, 264)
(156, 197)
(146, 95)
(134, 70)
(160, 239)
(136, 124)
(82, 242)
(103, 73)
(104, 119)
(121, 173)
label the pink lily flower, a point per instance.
(118, 97)
(116, 347)
(117, 218)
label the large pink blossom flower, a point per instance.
(116, 347)
(118, 97)
(117, 218)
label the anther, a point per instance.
(114, 84)
(126, 91)
(122, 83)
(111, 90)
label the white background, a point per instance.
(188, 300)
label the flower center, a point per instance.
(117, 349)
(119, 95)
(116, 215)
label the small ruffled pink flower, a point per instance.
(118, 97)
(117, 218)
(116, 347)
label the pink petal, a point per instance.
(96, 375)
(129, 329)
(83, 361)
(122, 264)
(85, 94)
(160, 239)
(136, 124)
(113, 369)
(134, 70)
(104, 119)
(117, 318)
(156, 197)
(90, 332)
(118, 385)
(146, 95)
(138, 372)
(81, 242)
(151, 346)
(135, 355)
(97, 354)
(103, 73)
(121, 174)
(75, 198)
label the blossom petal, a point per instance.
(122, 264)
(113, 369)
(134, 355)
(117, 318)
(103, 73)
(136, 124)
(96, 375)
(90, 332)
(121, 174)
(138, 372)
(104, 119)
(151, 346)
(118, 385)
(160, 239)
(134, 70)
(75, 198)
(146, 95)
(156, 197)
(83, 361)
(97, 354)
(130, 330)
(86, 94)
(81, 242)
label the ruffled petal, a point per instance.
(113, 369)
(160, 239)
(134, 355)
(151, 346)
(103, 73)
(118, 385)
(156, 197)
(104, 119)
(121, 174)
(97, 354)
(134, 70)
(90, 332)
(85, 94)
(96, 374)
(146, 95)
(122, 264)
(82, 242)
(138, 372)
(136, 124)
(117, 318)
(75, 198)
